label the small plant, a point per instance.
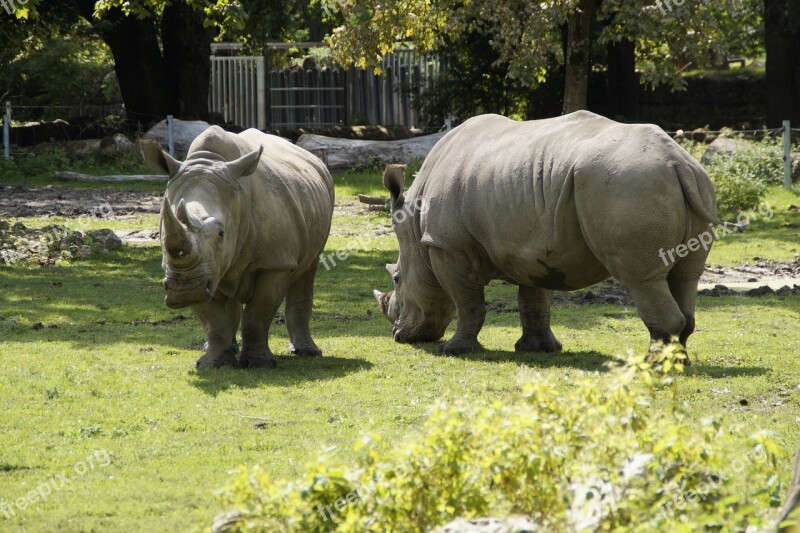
(600, 456)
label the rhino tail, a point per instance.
(688, 180)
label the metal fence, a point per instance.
(318, 97)
(237, 90)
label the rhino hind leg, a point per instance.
(299, 301)
(658, 310)
(534, 312)
(455, 274)
(268, 293)
(683, 286)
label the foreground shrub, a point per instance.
(600, 456)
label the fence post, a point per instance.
(787, 154)
(7, 131)
(170, 136)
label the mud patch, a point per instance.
(759, 270)
(53, 200)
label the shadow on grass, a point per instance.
(291, 371)
(589, 361)
(712, 371)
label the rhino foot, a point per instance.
(227, 358)
(458, 347)
(250, 360)
(310, 351)
(545, 342)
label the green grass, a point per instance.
(113, 369)
(773, 233)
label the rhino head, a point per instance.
(417, 307)
(199, 231)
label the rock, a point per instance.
(84, 251)
(511, 524)
(115, 145)
(107, 238)
(722, 146)
(82, 148)
(760, 291)
(184, 132)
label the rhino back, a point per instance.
(522, 199)
(289, 197)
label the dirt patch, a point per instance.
(47, 245)
(759, 270)
(53, 200)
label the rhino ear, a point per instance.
(158, 160)
(247, 164)
(394, 178)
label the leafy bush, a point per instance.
(600, 457)
(741, 178)
(734, 185)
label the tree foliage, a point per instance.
(529, 37)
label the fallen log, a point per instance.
(372, 200)
(342, 154)
(77, 176)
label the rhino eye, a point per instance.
(221, 234)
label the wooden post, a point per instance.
(170, 136)
(787, 154)
(7, 132)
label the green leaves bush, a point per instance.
(603, 456)
(740, 178)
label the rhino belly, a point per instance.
(563, 267)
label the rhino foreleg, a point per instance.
(268, 293)
(534, 312)
(299, 298)
(220, 320)
(462, 285)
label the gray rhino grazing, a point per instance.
(243, 221)
(554, 204)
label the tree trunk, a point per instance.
(577, 58)
(187, 51)
(782, 29)
(137, 62)
(623, 87)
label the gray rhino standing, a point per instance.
(243, 222)
(555, 204)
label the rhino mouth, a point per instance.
(411, 336)
(181, 295)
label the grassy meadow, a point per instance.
(100, 400)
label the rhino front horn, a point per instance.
(176, 238)
(383, 300)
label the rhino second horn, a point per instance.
(185, 217)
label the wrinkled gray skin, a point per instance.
(555, 204)
(243, 222)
